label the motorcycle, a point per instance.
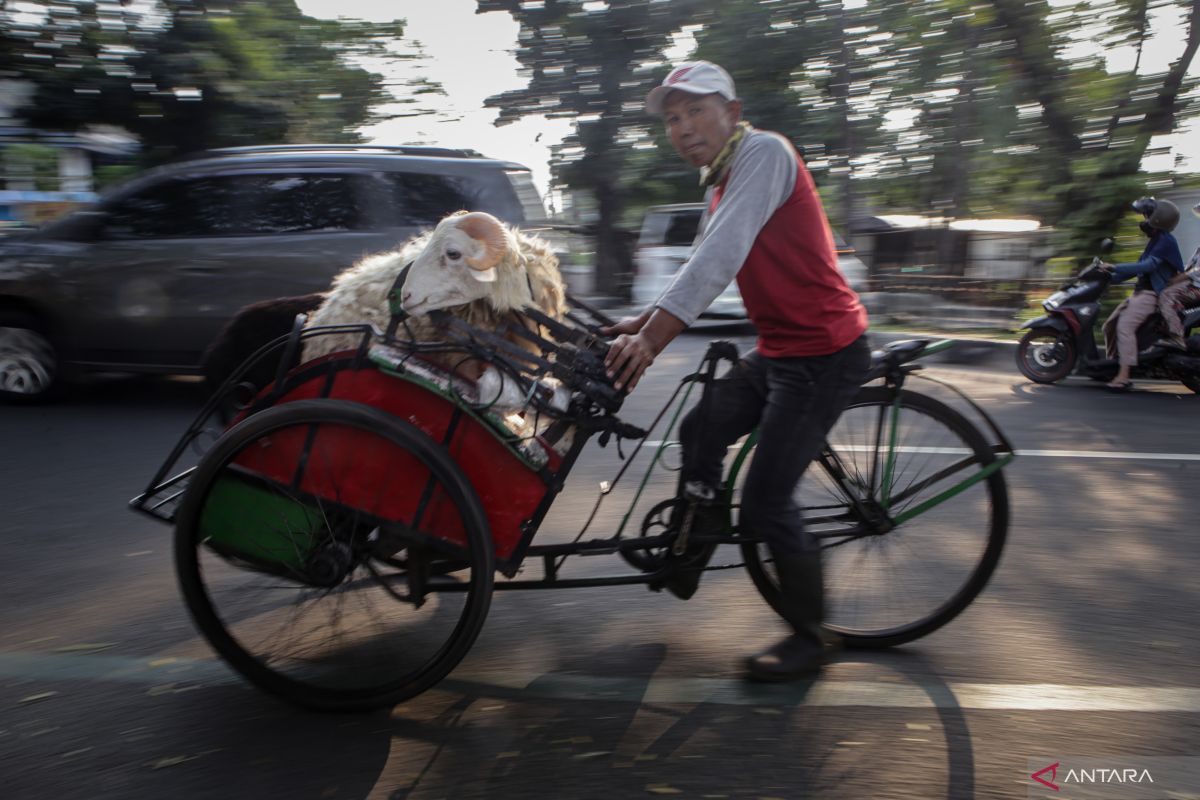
(1063, 342)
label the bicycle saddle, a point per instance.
(893, 355)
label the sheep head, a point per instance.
(460, 264)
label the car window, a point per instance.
(681, 231)
(274, 203)
(237, 205)
(423, 199)
(527, 193)
(161, 210)
(670, 227)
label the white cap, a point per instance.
(696, 77)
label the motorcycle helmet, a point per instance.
(1160, 215)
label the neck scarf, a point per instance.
(715, 172)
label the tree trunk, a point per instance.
(614, 261)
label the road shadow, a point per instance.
(473, 740)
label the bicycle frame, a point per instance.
(869, 514)
(872, 512)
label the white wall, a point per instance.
(1188, 232)
(1004, 256)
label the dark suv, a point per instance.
(144, 280)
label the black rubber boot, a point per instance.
(684, 582)
(802, 654)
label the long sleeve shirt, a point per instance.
(762, 176)
(765, 225)
(1159, 262)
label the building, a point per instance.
(945, 251)
(30, 194)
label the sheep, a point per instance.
(470, 265)
(473, 267)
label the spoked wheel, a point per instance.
(890, 588)
(310, 546)
(1045, 355)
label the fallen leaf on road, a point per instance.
(662, 788)
(85, 647)
(33, 698)
(170, 761)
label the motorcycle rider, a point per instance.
(1183, 290)
(1159, 262)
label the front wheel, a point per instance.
(29, 363)
(334, 555)
(899, 453)
(1045, 355)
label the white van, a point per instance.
(668, 233)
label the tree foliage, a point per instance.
(593, 62)
(184, 76)
(961, 107)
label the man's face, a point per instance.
(700, 124)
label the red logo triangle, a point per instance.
(1053, 770)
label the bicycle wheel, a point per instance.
(304, 541)
(891, 588)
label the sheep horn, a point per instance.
(485, 228)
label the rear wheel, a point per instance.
(29, 368)
(310, 546)
(890, 588)
(1045, 355)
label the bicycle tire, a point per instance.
(993, 493)
(312, 672)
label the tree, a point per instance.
(185, 76)
(593, 62)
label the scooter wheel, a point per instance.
(1045, 355)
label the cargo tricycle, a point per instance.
(339, 541)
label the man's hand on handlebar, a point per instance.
(629, 325)
(628, 358)
(639, 340)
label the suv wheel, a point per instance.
(28, 362)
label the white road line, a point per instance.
(1113, 454)
(33, 668)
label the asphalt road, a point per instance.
(1083, 645)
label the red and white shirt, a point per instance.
(765, 226)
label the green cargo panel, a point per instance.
(246, 518)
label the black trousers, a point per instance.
(794, 402)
